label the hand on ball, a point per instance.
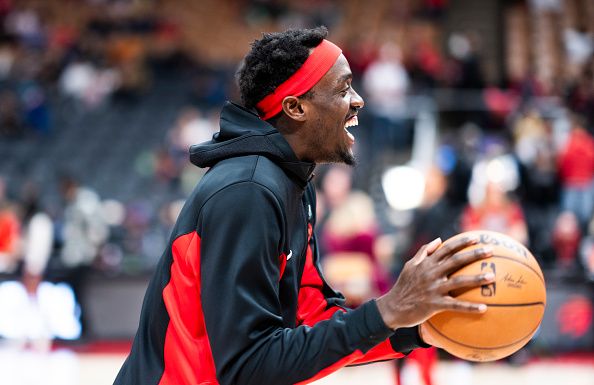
(423, 288)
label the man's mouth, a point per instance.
(351, 122)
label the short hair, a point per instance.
(273, 59)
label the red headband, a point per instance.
(315, 67)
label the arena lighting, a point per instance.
(404, 187)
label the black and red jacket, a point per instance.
(238, 296)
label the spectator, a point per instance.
(166, 169)
(536, 155)
(566, 240)
(579, 46)
(84, 82)
(463, 49)
(10, 233)
(7, 58)
(530, 132)
(434, 218)
(39, 236)
(361, 52)
(83, 232)
(37, 112)
(191, 127)
(580, 97)
(427, 64)
(349, 236)
(587, 252)
(491, 208)
(84, 229)
(137, 222)
(11, 118)
(386, 83)
(32, 317)
(497, 212)
(25, 24)
(576, 172)
(127, 54)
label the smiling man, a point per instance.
(238, 297)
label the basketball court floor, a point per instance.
(67, 367)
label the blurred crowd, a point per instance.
(515, 156)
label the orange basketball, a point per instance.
(515, 303)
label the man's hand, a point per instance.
(423, 287)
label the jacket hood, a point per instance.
(243, 133)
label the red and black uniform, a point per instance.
(238, 296)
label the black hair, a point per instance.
(273, 59)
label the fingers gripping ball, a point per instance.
(515, 303)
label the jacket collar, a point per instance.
(242, 133)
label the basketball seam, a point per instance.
(514, 304)
(489, 348)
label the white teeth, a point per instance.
(354, 121)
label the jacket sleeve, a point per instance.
(241, 229)
(317, 302)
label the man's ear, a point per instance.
(294, 108)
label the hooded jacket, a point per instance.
(238, 297)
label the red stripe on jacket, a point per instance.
(313, 308)
(188, 357)
(283, 264)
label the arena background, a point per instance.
(473, 112)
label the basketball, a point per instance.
(515, 303)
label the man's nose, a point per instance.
(356, 100)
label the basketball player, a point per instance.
(238, 296)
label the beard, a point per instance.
(343, 155)
(347, 157)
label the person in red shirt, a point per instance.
(496, 212)
(10, 230)
(576, 172)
